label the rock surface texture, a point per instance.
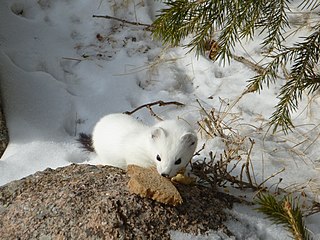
(4, 135)
(93, 202)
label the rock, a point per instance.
(4, 135)
(93, 202)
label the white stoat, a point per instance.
(120, 140)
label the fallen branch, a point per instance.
(149, 105)
(122, 20)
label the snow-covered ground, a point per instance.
(61, 70)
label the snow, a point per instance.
(61, 70)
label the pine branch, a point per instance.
(171, 25)
(274, 22)
(305, 57)
(303, 77)
(285, 212)
(233, 21)
(269, 75)
(229, 35)
(183, 17)
(309, 4)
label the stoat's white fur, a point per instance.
(120, 140)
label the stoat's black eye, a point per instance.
(158, 158)
(178, 161)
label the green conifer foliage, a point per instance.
(233, 21)
(285, 212)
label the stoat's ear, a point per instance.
(189, 138)
(157, 133)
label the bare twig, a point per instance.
(149, 105)
(72, 59)
(122, 20)
(241, 173)
(248, 163)
(153, 113)
(271, 176)
(197, 153)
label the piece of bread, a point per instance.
(147, 182)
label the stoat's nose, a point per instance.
(165, 175)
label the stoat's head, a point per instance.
(172, 149)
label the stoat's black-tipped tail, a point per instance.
(86, 142)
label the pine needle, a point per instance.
(285, 212)
(227, 22)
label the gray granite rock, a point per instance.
(4, 136)
(93, 202)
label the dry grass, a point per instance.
(233, 167)
(219, 170)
